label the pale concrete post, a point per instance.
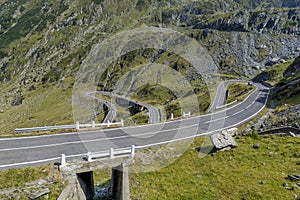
(189, 113)
(77, 126)
(122, 122)
(108, 123)
(111, 153)
(63, 160)
(93, 124)
(132, 151)
(172, 116)
(89, 157)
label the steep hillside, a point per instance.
(43, 44)
(284, 109)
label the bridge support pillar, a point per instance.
(120, 183)
(86, 182)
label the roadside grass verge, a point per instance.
(44, 106)
(238, 91)
(241, 173)
(17, 180)
(276, 72)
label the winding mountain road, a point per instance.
(154, 113)
(26, 151)
(220, 98)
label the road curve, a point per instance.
(112, 108)
(25, 151)
(220, 97)
(153, 112)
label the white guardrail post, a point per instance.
(63, 160)
(172, 116)
(132, 151)
(89, 157)
(122, 122)
(186, 114)
(108, 123)
(111, 153)
(77, 126)
(93, 124)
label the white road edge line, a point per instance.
(128, 127)
(154, 144)
(29, 162)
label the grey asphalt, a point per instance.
(219, 100)
(112, 108)
(20, 152)
(154, 113)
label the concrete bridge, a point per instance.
(81, 182)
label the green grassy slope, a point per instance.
(241, 173)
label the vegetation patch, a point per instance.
(241, 173)
(238, 91)
(155, 94)
(21, 182)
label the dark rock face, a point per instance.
(292, 69)
(290, 3)
(264, 76)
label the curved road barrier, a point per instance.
(24, 151)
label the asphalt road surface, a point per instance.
(154, 113)
(112, 108)
(25, 151)
(220, 98)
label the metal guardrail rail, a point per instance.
(76, 126)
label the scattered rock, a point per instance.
(18, 101)
(285, 184)
(199, 175)
(233, 131)
(289, 188)
(42, 182)
(39, 193)
(262, 182)
(257, 67)
(262, 46)
(293, 177)
(223, 141)
(256, 146)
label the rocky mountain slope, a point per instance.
(284, 106)
(43, 43)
